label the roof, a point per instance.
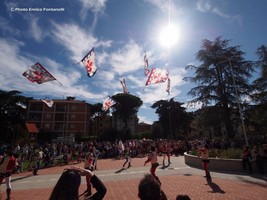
(32, 128)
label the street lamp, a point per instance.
(238, 102)
(237, 97)
(170, 123)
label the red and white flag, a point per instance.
(157, 76)
(48, 102)
(108, 102)
(89, 63)
(146, 65)
(124, 88)
(37, 73)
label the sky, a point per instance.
(58, 34)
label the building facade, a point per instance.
(65, 118)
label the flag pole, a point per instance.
(59, 82)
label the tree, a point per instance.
(96, 114)
(126, 106)
(172, 116)
(221, 72)
(12, 110)
(260, 84)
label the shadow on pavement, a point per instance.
(164, 166)
(215, 188)
(253, 182)
(120, 170)
(20, 178)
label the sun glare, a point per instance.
(169, 35)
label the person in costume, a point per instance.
(153, 159)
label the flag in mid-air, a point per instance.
(108, 102)
(37, 73)
(124, 88)
(89, 63)
(146, 65)
(157, 76)
(48, 102)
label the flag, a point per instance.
(168, 86)
(108, 102)
(48, 102)
(124, 88)
(146, 65)
(157, 76)
(37, 73)
(89, 63)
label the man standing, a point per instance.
(38, 159)
(127, 154)
(153, 159)
(204, 155)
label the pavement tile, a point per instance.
(194, 185)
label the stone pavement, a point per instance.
(177, 178)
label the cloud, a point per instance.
(35, 29)
(205, 6)
(166, 7)
(127, 59)
(145, 119)
(96, 6)
(7, 28)
(13, 68)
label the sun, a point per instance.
(169, 35)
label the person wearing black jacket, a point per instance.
(67, 187)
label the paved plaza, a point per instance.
(177, 178)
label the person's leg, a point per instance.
(205, 167)
(129, 160)
(250, 167)
(169, 159)
(163, 162)
(125, 162)
(244, 164)
(88, 184)
(8, 187)
(37, 166)
(153, 172)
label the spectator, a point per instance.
(149, 188)
(8, 163)
(247, 159)
(182, 197)
(67, 187)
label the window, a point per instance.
(72, 126)
(73, 116)
(47, 125)
(48, 116)
(73, 107)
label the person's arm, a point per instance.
(96, 182)
(100, 188)
(149, 157)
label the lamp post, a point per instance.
(170, 123)
(237, 97)
(238, 102)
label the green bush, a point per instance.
(226, 154)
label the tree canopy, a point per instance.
(222, 78)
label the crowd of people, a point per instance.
(11, 159)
